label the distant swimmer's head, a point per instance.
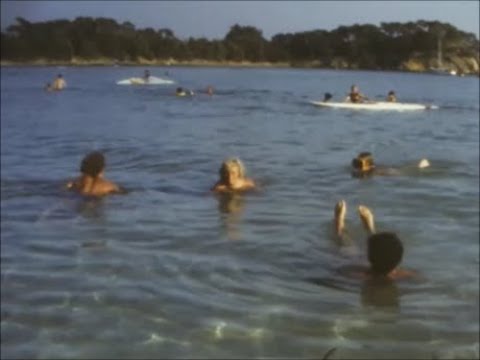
(363, 162)
(180, 92)
(59, 76)
(354, 88)
(231, 170)
(147, 73)
(209, 90)
(93, 164)
(327, 96)
(391, 93)
(385, 251)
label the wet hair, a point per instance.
(364, 154)
(361, 159)
(179, 89)
(93, 164)
(385, 251)
(327, 96)
(227, 166)
(391, 92)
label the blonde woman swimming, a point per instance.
(232, 177)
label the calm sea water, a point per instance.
(173, 271)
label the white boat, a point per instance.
(152, 80)
(376, 105)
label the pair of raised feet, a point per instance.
(366, 216)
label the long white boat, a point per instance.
(152, 80)
(374, 105)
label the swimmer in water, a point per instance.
(183, 92)
(232, 177)
(364, 166)
(384, 249)
(59, 83)
(48, 87)
(91, 181)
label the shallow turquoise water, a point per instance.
(172, 271)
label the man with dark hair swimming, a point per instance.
(364, 166)
(384, 249)
(91, 181)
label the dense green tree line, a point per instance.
(363, 46)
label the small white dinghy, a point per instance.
(376, 105)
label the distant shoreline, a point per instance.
(102, 62)
(144, 62)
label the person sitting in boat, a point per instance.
(146, 75)
(355, 96)
(59, 83)
(91, 181)
(391, 97)
(232, 177)
(384, 249)
(183, 92)
(209, 90)
(364, 166)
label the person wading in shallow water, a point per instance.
(59, 83)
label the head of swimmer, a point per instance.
(363, 163)
(385, 252)
(354, 89)
(146, 74)
(231, 171)
(93, 164)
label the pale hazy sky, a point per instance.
(212, 19)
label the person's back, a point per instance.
(59, 83)
(91, 181)
(363, 166)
